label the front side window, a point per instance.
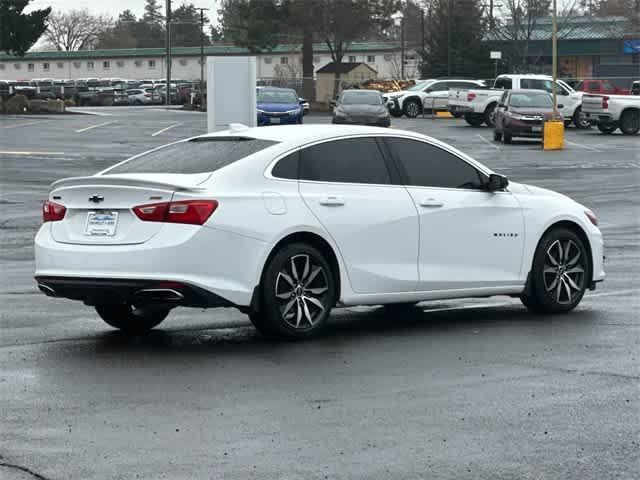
(427, 165)
(504, 83)
(200, 155)
(351, 160)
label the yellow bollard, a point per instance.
(553, 135)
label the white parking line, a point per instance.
(10, 152)
(165, 129)
(94, 126)
(488, 142)
(25, 124)
(586, 147)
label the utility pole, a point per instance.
(491, 15)
(168, 53)
(202, 10)
(422, 29)
(554, 53)
(448, 38)
(402, 47)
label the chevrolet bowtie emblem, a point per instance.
(96, 199)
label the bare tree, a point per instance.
(76, 29)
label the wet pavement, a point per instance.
(468, 389)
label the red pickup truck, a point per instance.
(600, 86)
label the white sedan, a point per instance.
(287, 223)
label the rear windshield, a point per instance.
(199, 155)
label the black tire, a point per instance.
(630, 122)
(489, 115)
(295, 310)
(607, 128)
(412, 108)
(457, 115)
(497, 136)
(130, 319)
(474, 119)
(579, 121)
(507, 138)
(560, 273)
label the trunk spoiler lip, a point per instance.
(128, 181)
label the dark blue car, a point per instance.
(278, 106)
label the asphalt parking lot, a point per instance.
(473, 389)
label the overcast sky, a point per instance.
(114, 7)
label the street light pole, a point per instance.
(168, 52)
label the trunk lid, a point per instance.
(100, 208)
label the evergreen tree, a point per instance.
(253, 24)
(18, 30)
(454, 41)
(185, 26)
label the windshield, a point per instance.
(200, 155)
(420, 86)
(361, 98)
(531, 100)
(277, 96)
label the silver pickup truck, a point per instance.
(610, 112)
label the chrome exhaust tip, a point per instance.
(159, 295)
(47, 290)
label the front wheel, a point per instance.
(131, 319)
(580, 120)
(412, 108)
(298, 291)
(630, 122)
(560, 273)
(457, 114)
(490, 115)
(607, 128)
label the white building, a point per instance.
(284, 61)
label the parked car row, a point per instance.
(101, 91)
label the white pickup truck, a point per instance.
(478, 105)
(610, 112)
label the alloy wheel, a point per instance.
(412, 109)
(564, 271)
(301, 289)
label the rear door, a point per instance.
(349, 187)
(437, 96)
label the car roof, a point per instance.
(366, 90)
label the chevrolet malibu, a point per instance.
(287, 223)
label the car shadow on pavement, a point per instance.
(345, 325)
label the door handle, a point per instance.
(431, 203)
(332, 201)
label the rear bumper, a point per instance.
(459, 109)
(599, 117)
(373, 121)
(98, 291)
(223, 263)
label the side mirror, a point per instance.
(560, 105)
(332, 103)
(497, 182)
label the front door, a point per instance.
(469, 237)
(347, 185)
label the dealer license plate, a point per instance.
(275, 120)
(101, 224)
(536, 129)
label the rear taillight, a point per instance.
(52, 212)
(605, 101)
(147, 94)
(470, 97)
(193, 212)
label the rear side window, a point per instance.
(194, 156)
(426, 165)
(503, 83)
(352, 160)
(287, 167)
